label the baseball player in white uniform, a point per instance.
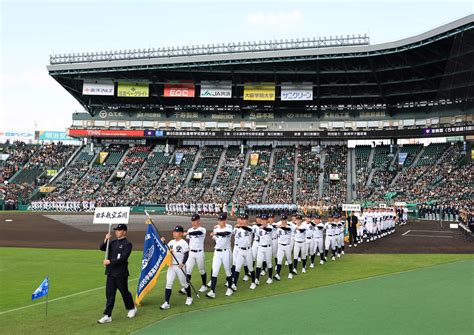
(222, 235)
(285, 235)
(319, 239)
(330, 241)
(180, 250)
(310, 239)
(196, 236)
(299, 244)
(264, 253)
(243, 257)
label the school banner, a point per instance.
(133, 90)
(259, 92)
(155, 257)
(216, 89)
(102, 156)
(296, 91)
(51, 173)
(254, 159)
(47, 189)
(183, 89)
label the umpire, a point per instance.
(116, 269)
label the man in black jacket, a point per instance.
(116, 269)
(352, 227)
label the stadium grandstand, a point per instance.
(311, 122)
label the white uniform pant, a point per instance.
(274, 247)
(330, 242)
(243, 257)
(299, 247)
(341, 240)
(283, 251)
(309, 246)
(254, 249)
(195, 258)
(234, 254)
(318, 245)
(264, 254)
(370, 227)
(221, 258)
(172, 273)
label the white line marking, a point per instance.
(434, 231)
(406, 232)
(429, 236)
(71, 295)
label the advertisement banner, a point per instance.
(254, 158)
(259, 92)
(296, 91)
(98, 88)
(105, 133)
(183, 89)
(52, 136)
(133, 90)
(17, 135)
(216, 89)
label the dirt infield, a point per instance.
(75, 231)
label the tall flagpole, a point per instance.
(108, 241)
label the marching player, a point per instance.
(299, 244)
(196, 236)
(310, 239)
(271, 222)
(340, 237)
(285, 234)
(243, 256)
(222, 234)
(264, 253)
(330, 241)
(180, 250)
(318, 239)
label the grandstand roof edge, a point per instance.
(266, 54)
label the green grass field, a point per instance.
(77, 296)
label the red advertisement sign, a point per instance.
(185, 89)
(105, 133)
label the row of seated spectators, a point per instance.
(280, 185)
(335, 191)
(309, 170)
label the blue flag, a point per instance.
(42, 290)
(155, 257)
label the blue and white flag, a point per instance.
(42, 290)
(155, 257)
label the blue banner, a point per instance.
(402, 156)
(54, 136)
(179, 157)
(42, 290)
(155, 257)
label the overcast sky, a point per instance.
(32, 30)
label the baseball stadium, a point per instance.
(338, 174)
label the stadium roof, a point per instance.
(432, 69)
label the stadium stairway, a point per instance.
(270, 171)
(321, 175)
(244, 169)
(191, 171)
(295, 176)
(371, 158)
(27, 175)
(219, 166)
(71, 159)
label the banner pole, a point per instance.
(108, 241)
(174, 257)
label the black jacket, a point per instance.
(119, 251)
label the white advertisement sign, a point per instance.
(296, 91)
(216, 89)
(111, 215)
(98, 88)
(351, 207)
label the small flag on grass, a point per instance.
(42, 290)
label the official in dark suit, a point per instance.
(116, 269)
(352, 227)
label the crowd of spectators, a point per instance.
(309, 170)
(280, 182)
(335, 163)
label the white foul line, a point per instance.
(69, 296)
(406, 232)
(434, 231)
(429, 236)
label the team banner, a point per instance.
(111, 215)
(402, 156)
(155, 257)
(183, 89)
(47, 189)
(259, 92)
(179, 157)
(51, 173)
(296, 91)
(102, 156)
(254, 159)
(216, 89)
(351, 207)
(133, 90)
(98, 88)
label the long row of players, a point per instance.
(258, 246)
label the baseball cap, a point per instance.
(264, 216)
(222, 216)
(195, 217)
(283, 217)
(271, 215)
(299, 217)
(244, 216)
(178, 229)
(121, 226)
